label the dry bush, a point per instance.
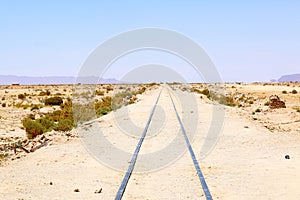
(99, 92)
(54, 101)
(109, 88)
(21, 96)
(45, 93)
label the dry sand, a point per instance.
(248, 161)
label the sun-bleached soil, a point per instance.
(248, 161)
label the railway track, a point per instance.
(134, 158)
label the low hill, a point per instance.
(27, 80)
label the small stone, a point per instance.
(51, 183)
(287, 157)
(98, 191)
(76, 190)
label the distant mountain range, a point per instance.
(27, 80)
(288, 78)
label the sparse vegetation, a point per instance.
(297, 108)
(54, 101)
(21, 96)
(64, 119)
(221, 98)
(61, 120)
(45, 93)
(284, 92)
(64, 125)
(32, 128)
(99, 92)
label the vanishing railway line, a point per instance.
(128, 173)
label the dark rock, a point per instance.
(98, 191)
(275, 102)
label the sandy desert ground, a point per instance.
(248, 161)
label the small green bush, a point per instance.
(33, 129)
(64, 125)
(46, 124)
(54, 101)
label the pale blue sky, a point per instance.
(247, 41)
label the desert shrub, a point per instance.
(109, 88)
(196, 90)
(61, 120)
(103, 106)
(34, 107)
(102, 112)
(33, 129)
(46, 124)
(64, 125)
(153, 84)
(258, 110)
(21, 96)
(3, 105)
(251, 102)
(230, 101)
(141, 90)
(267, 103)
(3, 98)
(205, 92)
(296, 108)
(54, 101)
(99, 92)
(45, 93)
(284, 92)
(83, 112)
(55, 116)
(294, 92)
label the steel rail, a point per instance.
(135, 155)
(196, 164)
